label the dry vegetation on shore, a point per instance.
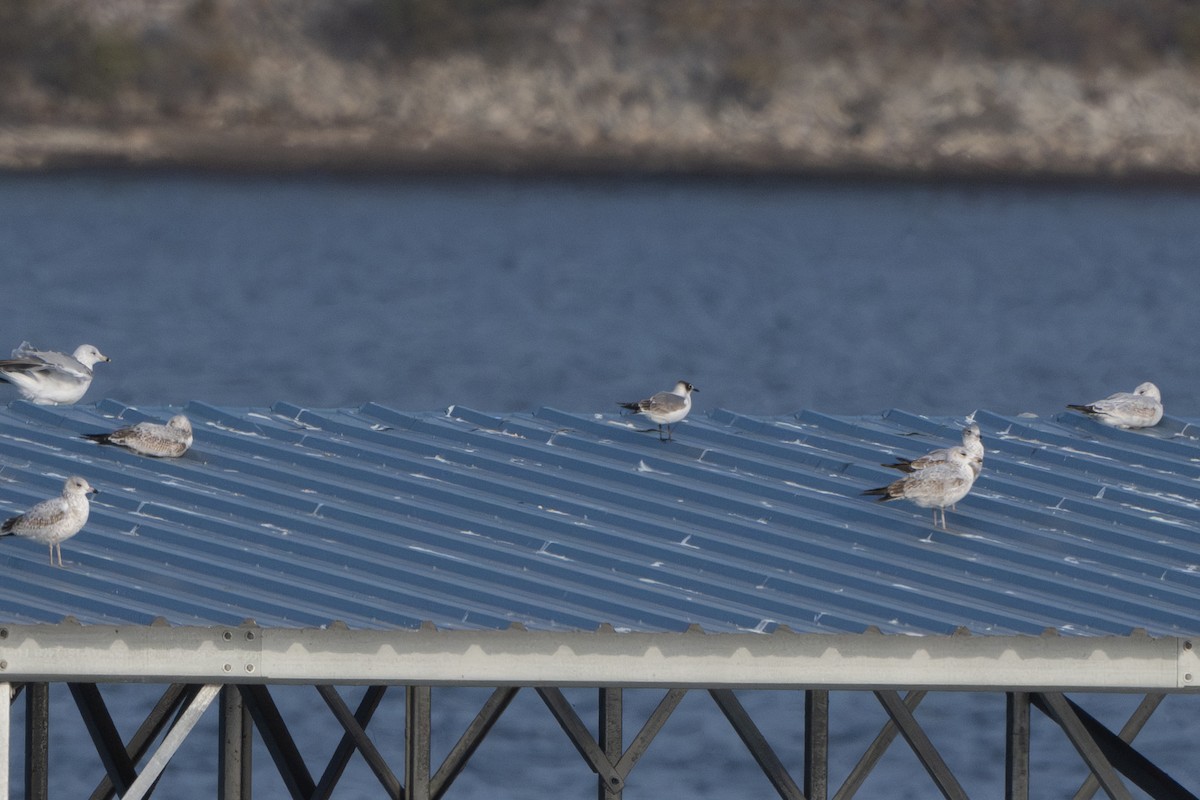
(1080, 87)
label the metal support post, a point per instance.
(816, 744)
(37, 741)
(416, 742)
(580, 736)
(5, 731)
(1016, 746)
(234, 761)
(611, 739)
(278, 739)
(637, 748)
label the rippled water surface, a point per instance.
(509, 295)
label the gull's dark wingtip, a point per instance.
(881, 492)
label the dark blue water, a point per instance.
(511, 294)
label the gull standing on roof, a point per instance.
(664, 409)
(46, 377)
(935, 486)
(53, 521)
(1140, 408)
(971, 440)
(151, 439)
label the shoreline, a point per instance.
(275, 151)
(800, 91)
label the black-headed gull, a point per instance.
(664, 409)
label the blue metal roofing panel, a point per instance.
(383, 518)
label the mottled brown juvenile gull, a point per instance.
(971, 441)
(49, 378)
(936, 486)
(1140, 408)
(151, 439)
(53, 521)
(664, 409)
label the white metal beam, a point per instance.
(782, 660)
(5, 733)
(171, 742)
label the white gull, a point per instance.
(51, 522)
(46, 377)
(971, 440)
(1140, 408)
(151, 439)
(936, 486)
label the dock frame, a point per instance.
(235, 669)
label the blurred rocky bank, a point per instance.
(924, 88)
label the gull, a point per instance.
(46, 377)
(665, 408)
(971, 440)
(935, 486)
(150, 438)
(1140, 408)
(53, 521)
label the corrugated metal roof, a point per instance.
(382, 518)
